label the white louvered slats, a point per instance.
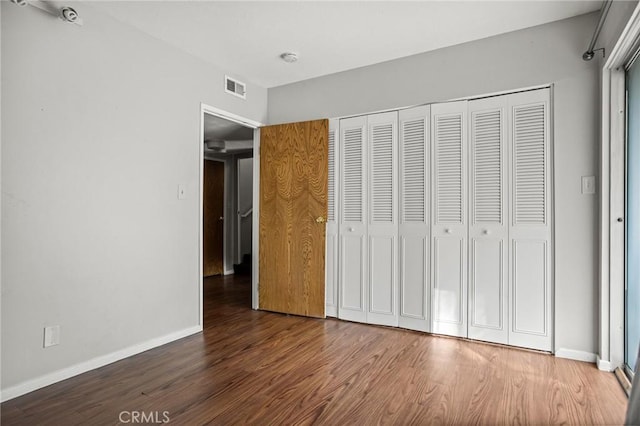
(414, 246)
(382, 173)
(352, 171)
(448, 164)
(487, 172)
(488, 229)
(331, 184)
(449, 230)
(529, 164)
(413, 171)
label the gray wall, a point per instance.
(550, 53)
(100, 125)
(245, 202)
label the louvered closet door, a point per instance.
(383, 224)
(449, 218)
(530, 221)
(331, 268)
(414, 225)
(353, 220)
(488, 222)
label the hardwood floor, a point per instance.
(251, 367)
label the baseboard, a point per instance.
(603, 365)
(92, 364)
(228, 272)
(576, 355)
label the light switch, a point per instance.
(588, 184)
(51, 336)
(182, 192)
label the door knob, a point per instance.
(320, 219)
(448, 230)
(351, 229)
(486, 232)
(221, 218)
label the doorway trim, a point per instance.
(255, 125)
(612, 198)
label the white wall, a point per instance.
(245, 202)
(100, 125)
(550, 53)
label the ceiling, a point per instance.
(245, 38)
(232, 137)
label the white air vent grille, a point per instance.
(331, 193)
(530, 164)
(448, 163)
(413, 170)
(352, 169)
(487, 169)
(382, 173)
(235, 87)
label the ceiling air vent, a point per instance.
(235, 87)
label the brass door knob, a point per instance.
(320, 219)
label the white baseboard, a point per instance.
(576, 355)
(604, 365)
(228, 272)
(92, 364)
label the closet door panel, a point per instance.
(488, 223)
(530, 245)
(414, 278)
(353, 220)
(382, 228)
(331, 268)
(449, 218)
(414, 227)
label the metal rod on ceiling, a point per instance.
(604, 9)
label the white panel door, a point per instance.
(414, 193)
(353, 286)
(331, 267)
(382, 228)
(488, 222)
(530, 247)
(449, 218)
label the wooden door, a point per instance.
(449, 218)
(293, 212)
(213, 218)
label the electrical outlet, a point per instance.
(588, 184)
(182, 191)
(51, 336)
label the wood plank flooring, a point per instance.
(251, 367)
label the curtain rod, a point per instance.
(604, 9)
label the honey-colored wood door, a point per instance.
(213, 218)
(293, 211)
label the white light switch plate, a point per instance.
(51, 335)
(182, 192)
(588, 184)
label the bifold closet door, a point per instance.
(530, 247)
(488, 221)
(331, 268)
(353, 273)
(382, 230)
(414, 244)
(449, 218)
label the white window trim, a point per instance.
(612, 198)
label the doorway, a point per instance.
(225, 139)
(632, 224)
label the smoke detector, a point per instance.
(289, 57)
(215, 145)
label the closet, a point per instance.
(440, 219)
